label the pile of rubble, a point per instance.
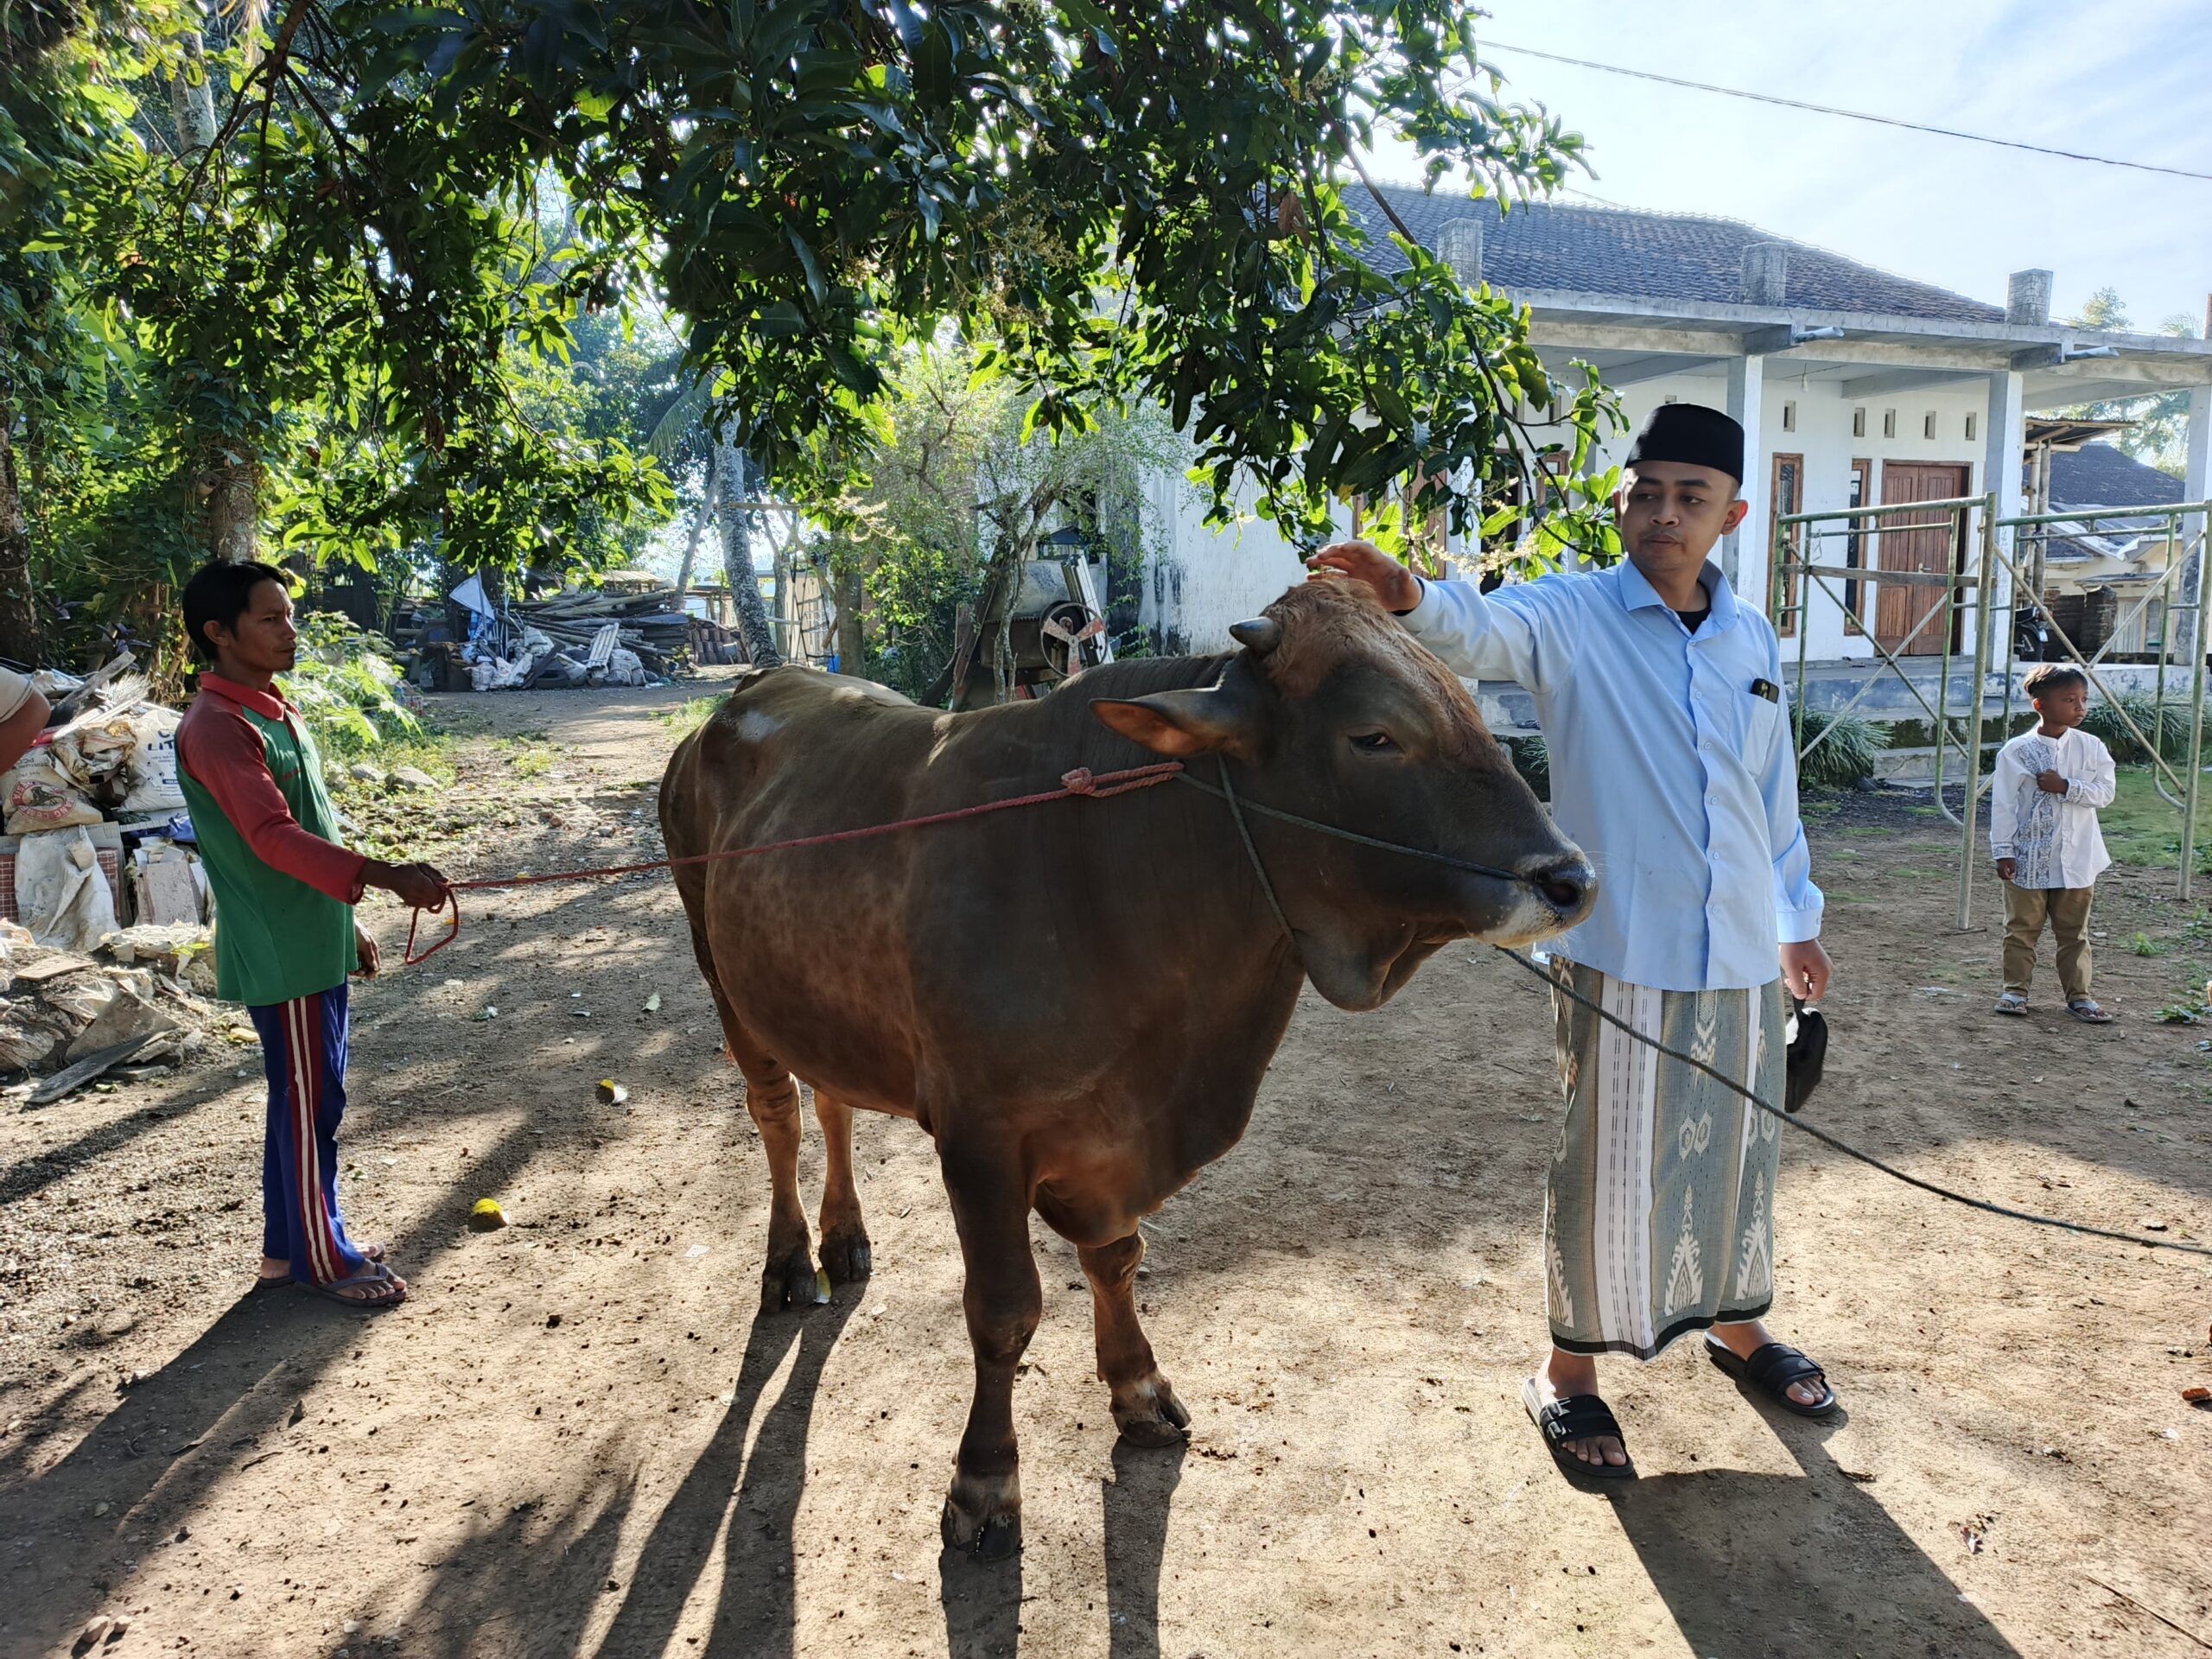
(77, 1018)
(97, 834)
(624, 634)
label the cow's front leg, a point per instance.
(991, 1207)
(1146, 1409)
(846, 1254)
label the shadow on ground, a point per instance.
(744, 1505)
(1719, 1545)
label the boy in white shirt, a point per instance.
(2043, 834)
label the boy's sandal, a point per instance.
(383, 1290)
(373, 1253)
(1578, 1417)
(1772, 1370)
(2013, 1003)
(2086, 1010)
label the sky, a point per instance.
(2108, 76)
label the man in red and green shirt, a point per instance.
(285, 938)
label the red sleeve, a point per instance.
(225, 756)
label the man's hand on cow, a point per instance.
(1806, 970)
(422, 886)
(1396, 587)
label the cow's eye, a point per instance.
(1373, 742)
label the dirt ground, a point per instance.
(577, 1438)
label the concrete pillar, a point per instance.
(1745, 556)
(2197, 483)
(2005, 437)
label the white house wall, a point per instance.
(1205, 577)
(1822, 434)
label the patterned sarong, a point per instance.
(1659, 1214)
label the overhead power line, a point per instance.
(1850, 115)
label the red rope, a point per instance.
(1081, 784)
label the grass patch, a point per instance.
(2144, 945)
(689, 716)
(401, 823)
(2142, 830)
(532, 759)
(430, 750)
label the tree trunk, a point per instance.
(230, 483)
(786, 601)
(226, 471)
(737, 557)
(698, 528)
(192, 99)
(19, 629)
(852, 632)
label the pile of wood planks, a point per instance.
(653, 623)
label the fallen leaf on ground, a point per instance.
(485, 1216)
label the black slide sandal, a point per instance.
(1771, 1369)
(1578, 1417)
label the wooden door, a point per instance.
(1899, 608)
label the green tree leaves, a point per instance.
(1131, 203)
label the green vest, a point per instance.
(276, 939)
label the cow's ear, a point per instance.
(1183, 724)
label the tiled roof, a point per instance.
(1580, 250)
(2103, 475)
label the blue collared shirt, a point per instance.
(1676, 777)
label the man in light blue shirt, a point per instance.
(1673, 766)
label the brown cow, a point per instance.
(1078, 1001)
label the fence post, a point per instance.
(1984, 587)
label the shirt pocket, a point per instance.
(1755, 725)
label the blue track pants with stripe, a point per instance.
(304, 1050)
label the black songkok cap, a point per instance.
(1692, 435)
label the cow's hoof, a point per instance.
(1148, 1414)
(983, 1518)
(792, 1283)
(846, 1256)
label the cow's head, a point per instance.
(1333, 711)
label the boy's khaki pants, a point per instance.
(2068, 911)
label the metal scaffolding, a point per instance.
(1991, 560)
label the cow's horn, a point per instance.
(1259, 636)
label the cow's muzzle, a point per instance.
(1568, 885)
